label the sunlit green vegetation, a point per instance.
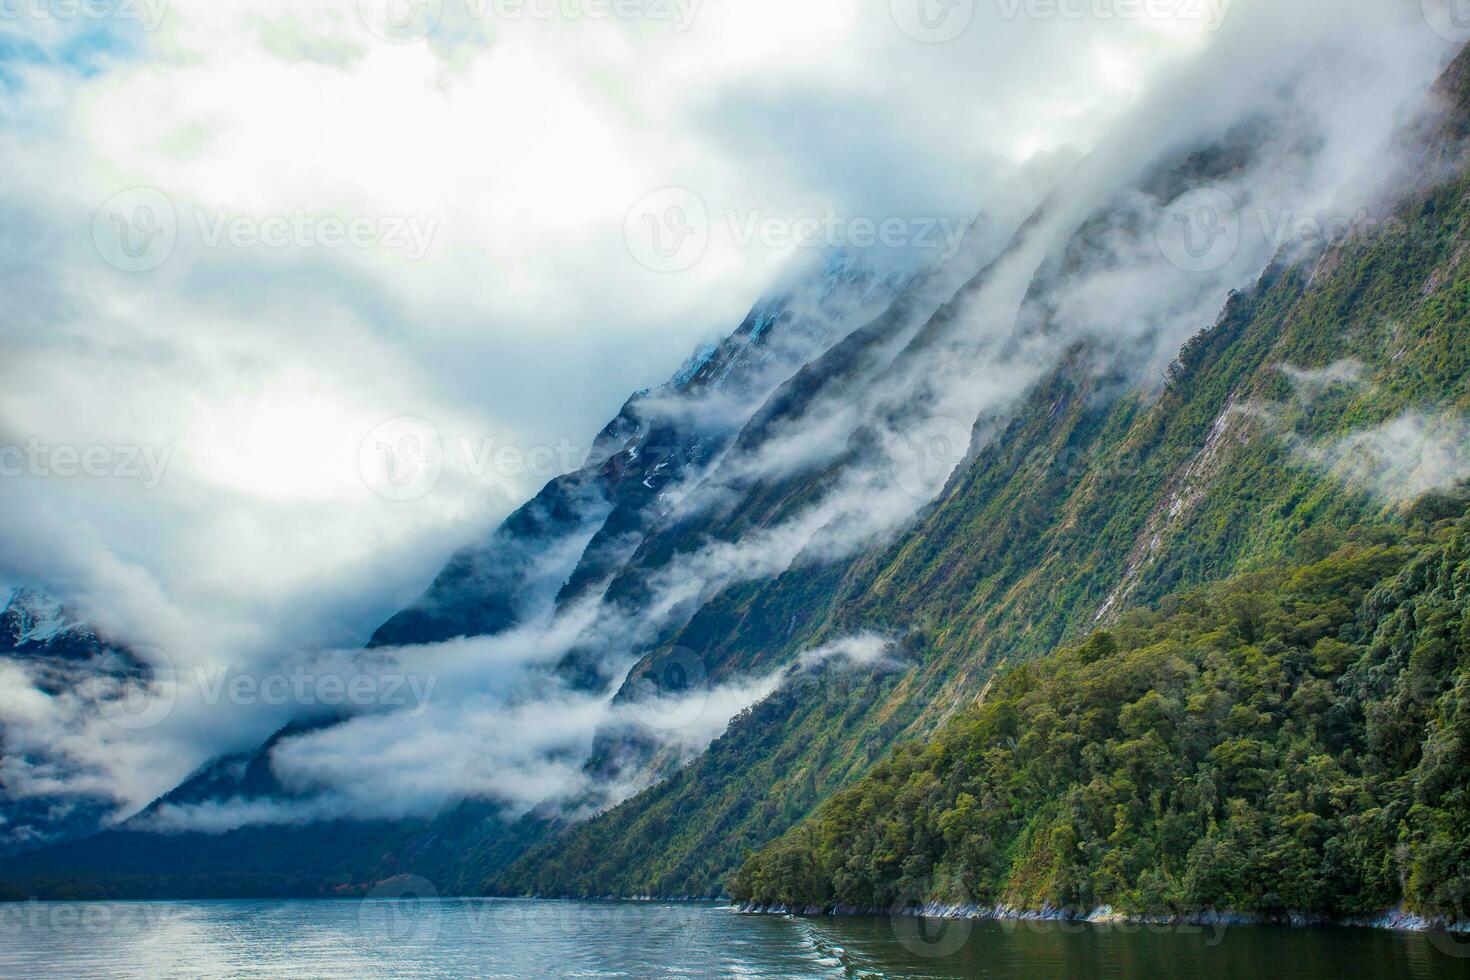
(1292, 739)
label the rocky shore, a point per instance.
(1395, 919)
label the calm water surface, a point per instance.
(489, 938)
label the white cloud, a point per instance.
(1404, 458)
(527, 320)
(1346, 371)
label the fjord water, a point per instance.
(492, 938)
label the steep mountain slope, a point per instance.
(833, 532)
(1290, 741)
(577, 531)
(1093, 495)
(558, 546)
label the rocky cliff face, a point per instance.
(580, 529)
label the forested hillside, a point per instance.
(1323, 398)
(1222, 501)
(1289, 740)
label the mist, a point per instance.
(522, 315)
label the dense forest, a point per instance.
(1294, 739)
(1161, 643)
(1092, 499)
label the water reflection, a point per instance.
(431, 938)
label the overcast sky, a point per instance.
(237, 238)
(492, 167)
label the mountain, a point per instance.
(558, 546)
(63, 658)
(1318, 400)
(877, 534)
(580, 528)
(1290, 741)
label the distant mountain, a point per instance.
(581, 528)
(957, 474)
(63, 658)
(562, 544)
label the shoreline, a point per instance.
(1392, 920)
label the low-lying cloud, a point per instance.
(262, 369)
(1401, 459)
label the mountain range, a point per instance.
(1123, 546)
